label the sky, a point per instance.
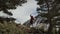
(22, 13)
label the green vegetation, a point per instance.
(50, 9)
(9, 28)
(13, 28)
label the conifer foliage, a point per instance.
(5, 5)
(10, 4)
(49, 9)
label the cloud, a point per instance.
(22, 13)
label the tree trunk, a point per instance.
(50, 27)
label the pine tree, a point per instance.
(49, 9)
(5, 5)
(9, 4)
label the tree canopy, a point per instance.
(10, 4)
(49, 9)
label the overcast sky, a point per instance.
(22, 13)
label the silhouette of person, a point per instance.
(31, 20)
